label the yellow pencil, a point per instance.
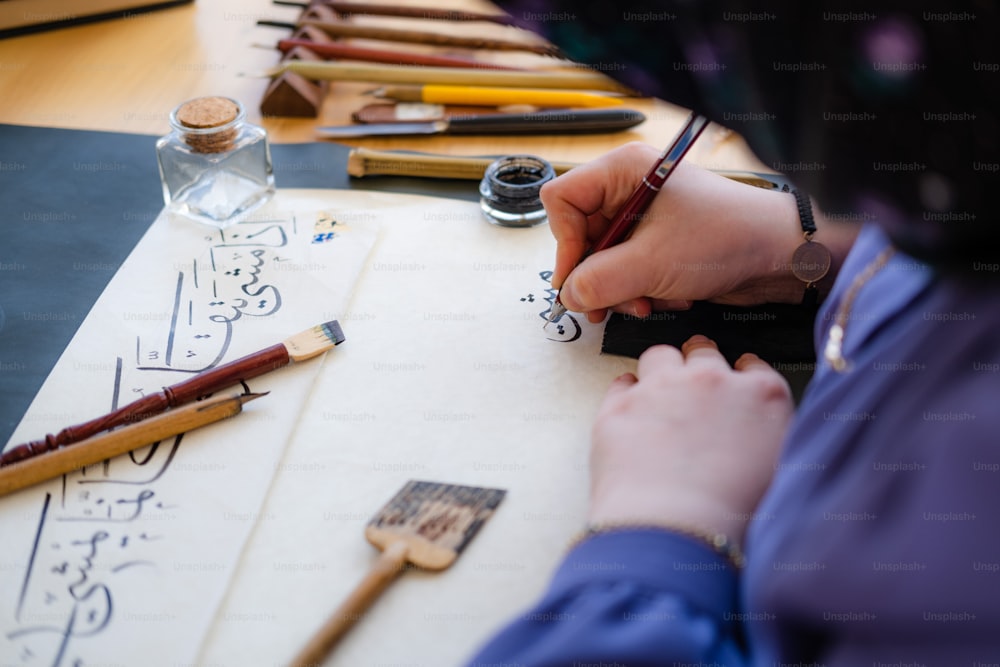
(496, 97)
(31, 471)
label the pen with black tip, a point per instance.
(629, 215)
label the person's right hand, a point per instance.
(705, 237)
(688, 441)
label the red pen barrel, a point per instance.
(630, 213)
(199, 386)
(626, 218)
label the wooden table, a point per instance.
(126, 75)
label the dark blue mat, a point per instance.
(74, 203)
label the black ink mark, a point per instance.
(138, 504)
(117, 384)
(568, 327)
(280, 242)
(34, 553)
(132, 563)
(149, 457)
(173, 317)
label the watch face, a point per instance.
(810, 262)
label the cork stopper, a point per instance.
(209, 123)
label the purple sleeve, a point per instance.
(636, 597)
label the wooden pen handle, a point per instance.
(200, 385)
(392, 57)
(385, 570)
(433, 13)
(344, 29)
(108, 445)
(363, 162)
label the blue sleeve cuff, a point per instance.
(659, 560)
(641, 596)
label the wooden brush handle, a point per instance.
(363, 162)
(383, 572)
(345, 51)
(200, 385)
(109, 445)
(343, 29)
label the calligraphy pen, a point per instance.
(344, 29)
(305, 345)
(433, 13)
(629, 215)
(393, 57)
(107, 445)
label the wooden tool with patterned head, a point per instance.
(426, 524)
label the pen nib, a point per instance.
(555, 314)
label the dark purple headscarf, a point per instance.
(887, 113)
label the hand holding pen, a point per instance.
(630, 213)
(705, 238)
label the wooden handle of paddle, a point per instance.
(383, 572)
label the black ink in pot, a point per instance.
(509, 190)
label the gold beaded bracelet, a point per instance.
(717, 542)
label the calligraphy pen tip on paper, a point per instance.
(555, 313)
(246, 398)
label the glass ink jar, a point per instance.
(508, 193)
(215, 167)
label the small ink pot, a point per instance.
(509, 190)
(214, 166)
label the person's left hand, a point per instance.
(689, 441)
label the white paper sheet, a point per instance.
(446, 375)
(126, 563)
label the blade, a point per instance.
(381, 129)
